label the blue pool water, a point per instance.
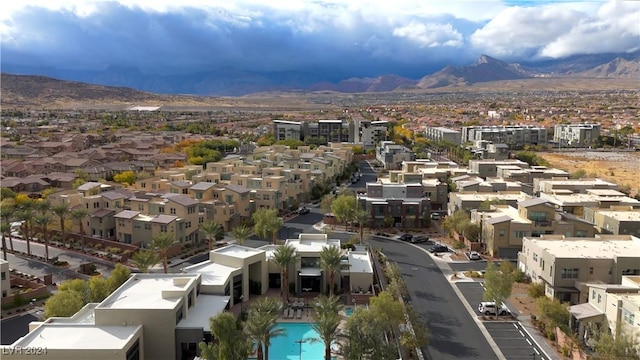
(348, 311)
(286, 348)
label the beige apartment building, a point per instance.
(617, 220)
(613, 306)
(503, 227)
(472, 200)
(566, 265)
(575, 203)
(575, 186)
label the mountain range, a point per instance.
(234, 82)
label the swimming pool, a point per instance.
(348, 311)
(287, 347)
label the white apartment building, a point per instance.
(576, 135)
(567, 264)
(369, 133)
(442, 134)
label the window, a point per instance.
(501, 233)
(581, 233)
(628, 317)
(599, 298)
(147, 226)
(199, 195)
(535, 257)
(538, 216)
(520, 234)
(161, 209)
(265, 197)
(163, 228)
(4, 293)
(172, 211)
(4, 276)
(591, 271)
(593, 294)
(569, 273)
(631, 272)
(140, 207)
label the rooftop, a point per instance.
(212, 273)
(599, 247)
(79, 337)
(237, 251)
(360, 262)
(482, 196)
(145, 291)
(312, 243)
(622, 215)
(205, 307)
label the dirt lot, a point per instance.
(521, 300)
(622, 168)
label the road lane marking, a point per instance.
(529, 342)
(521, 333)
(536, 350)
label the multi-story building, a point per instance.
(566, 264)
(404, 204)
(443, 134)
(284, 130)
(468, 201)
(489, 167)
(593, 198)
(391, 155)
(575, 186)
(502, 227)
(5, 278)
(369, 133)
(326, 131)
(515, 136)
(615, 307)
(617, 220)
(576, 135)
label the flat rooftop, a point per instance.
(359, 262)
(79, 337)
(589, 248)
(237, 251)
(312, 244)
(206, 306)
(482, 196)
(212, 273)
(86, 316)
(144, 291)
(622, 215)
(586, 199)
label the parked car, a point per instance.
(406, 237)
(303, 210)
(438, 249)
(474, 255)
(435, 216)
(489, 308)
(419, 239)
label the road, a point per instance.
(454, 334)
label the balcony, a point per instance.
(544, 223)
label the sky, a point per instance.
(344, 37)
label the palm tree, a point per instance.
(330, 257)
(283, 256)
(362, 217)
(231, 343)
(214, 231)
(262, 324)
(43, 221)
(61, 211)
(326, 321)
(79, 215)
(162, 242)
(5, 228)
(144, 260)
(6, 212)
(273, 225)
(241, 233)
(25, 215)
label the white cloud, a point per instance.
(430, 35)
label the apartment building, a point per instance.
(405, 204)
(326, 131)
(391, 155)
(503, 227)
(489, 167)
(576, 135)
(616, 220)
(615, 307)
(528, 175)
(515, 136)
(285, 130)
(566, 264)
(468, 201)
(576, 203)
(369, 133)
(102, 208)
(5, 278)
(575, 186)
(443, 134)
(466, 183)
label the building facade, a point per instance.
(515, 136)
(443, 134)
(576, 135)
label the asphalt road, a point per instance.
(13, 328)
(512, 340)
(453, 332)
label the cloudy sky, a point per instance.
(346, 37)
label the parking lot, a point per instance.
(512, 340)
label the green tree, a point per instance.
(262, 324)
(498, 283)
(78, 215)
(214, 231)
(387, 308)
(623, 346)
(126, 177)
(325, 203)
(343, 208)
(5, 229)
(232, 343)
(25, 213)
(241, 233)
(364, 338)
(162, 242)
(99, 288)
(144, 260)
(361, 216)
(81, 287)
(284, 255)
(552, 313)
(7, 209)
(63, 303)
(326, 321)
(61, 211)
(330, 257)
(267, 223)
(119, 275)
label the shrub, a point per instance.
(536, 290)
(520, 277)
(459, 245)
